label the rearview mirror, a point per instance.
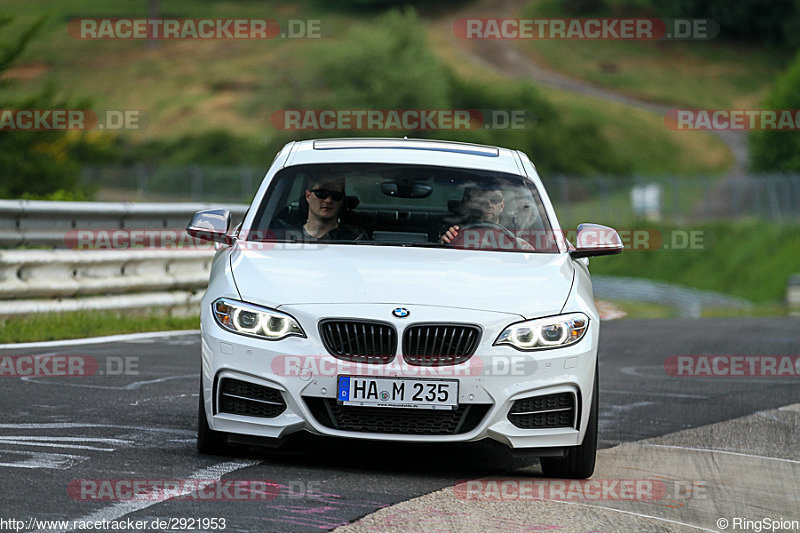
(594, 240)
(211, 225)
(406, 188)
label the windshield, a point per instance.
(404, 205)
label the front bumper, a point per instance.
(495, 377)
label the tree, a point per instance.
(36, 163)
(779, 151)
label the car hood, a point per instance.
(528, 284)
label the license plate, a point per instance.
(392, 392)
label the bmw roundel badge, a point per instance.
(400, 312)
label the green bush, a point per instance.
(779, 150)
(385, 65)
(214, 147)
(775, 22)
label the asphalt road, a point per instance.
(56, 430)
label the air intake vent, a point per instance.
(359, 341)
(540, 412)
(396, 420)
(248, 399)
(439, 344)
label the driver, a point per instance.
(480, 206)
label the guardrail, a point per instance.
(39, 223)
(67, 273)
(65, 280)
(687, 302)
(34, 280)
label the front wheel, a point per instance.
(208, 441)
(579, 461)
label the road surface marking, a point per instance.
(206, 476)
(101, 340)
(722, 451)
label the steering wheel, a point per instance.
(492, 233)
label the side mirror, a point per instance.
(594, 239)
(211, 225)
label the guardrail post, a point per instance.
(793, 294)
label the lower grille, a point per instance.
(242, 398)
(395, 420)
(439, 344)
(359, 341)
(551, 411)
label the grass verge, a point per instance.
(655, 310)
(749, 259)
(77, 325)
(643, 309)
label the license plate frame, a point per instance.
(386, 392)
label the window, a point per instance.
(404, 205)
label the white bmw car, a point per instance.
(402, 290)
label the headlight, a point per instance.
(544, 333)
(249, 319)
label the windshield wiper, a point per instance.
(424, 244)
(403, 244)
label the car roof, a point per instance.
(404, 150)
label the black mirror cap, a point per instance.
(211, 225)
(594, 240)
(577, 254)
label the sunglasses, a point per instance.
(324, 194)
(494, 199)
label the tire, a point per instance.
(209, 442)
(579, 461)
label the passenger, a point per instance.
(325, 197)
(520, 212)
